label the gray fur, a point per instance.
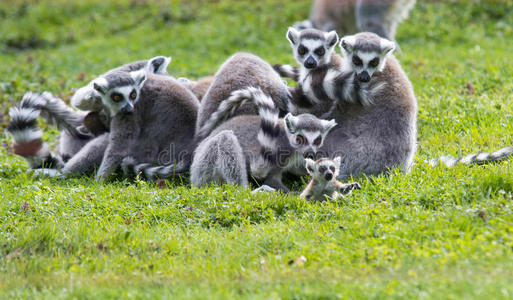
(219, 158)
(240, 71)
(351, 16)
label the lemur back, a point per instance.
(242, 70)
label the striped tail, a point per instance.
(224, 111)
(27, 135)
(269, 124)
(58, 113)
(287, 71)
(479, 158)
(151, 172)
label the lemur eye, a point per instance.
(116, 97)
(322, 169)
(332, 168)
(374, 63)
(301, 50)
(357, 61)
(320, 51)
(133, 95)
(300, 139)
(318, 141)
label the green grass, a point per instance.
(433, 233)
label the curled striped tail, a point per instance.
(152, 172)
(224, 111)
(27, 135)
(269, 124)
(479, 158)
(287, 71)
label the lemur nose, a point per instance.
(328, 176)
(310, 63)
(309, 154)
(364, 76)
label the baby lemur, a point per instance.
(324, 183)
(263, 146)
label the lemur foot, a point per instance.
(46, 172)
(349, 187)
(263, 188)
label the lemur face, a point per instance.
(366, 53)
(120, 90)
(312, 48)
(324, 169)
(306, 133)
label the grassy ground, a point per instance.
(433, 233)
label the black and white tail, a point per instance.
(269, 125)
(152, 172)
(226, 109)
(27, 135)
(287, 71)
(479, 158)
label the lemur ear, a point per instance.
(101, 85)
(290, 122)
(331, 38)
(337, 160)
(293, 36)
(158, 64)
(328, 125)
(387, 46)
(310, 166)
(139, 77)
(347, 44)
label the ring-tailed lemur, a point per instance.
(264, 145)
(88, 99)
(242, 70)
(377, 114)
(27, 135)
(154, 126)
(324, 183)
(350, 16)
(479, 158)
(379, 131)
(322, 78)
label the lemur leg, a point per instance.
(347, 188)
(111, 161)
(307, 193)
(273, 180)
(88, 158)
(219, 158)
(370, 16)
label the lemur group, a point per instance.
(349, 114)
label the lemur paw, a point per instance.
(263, 188)
(348, 188)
